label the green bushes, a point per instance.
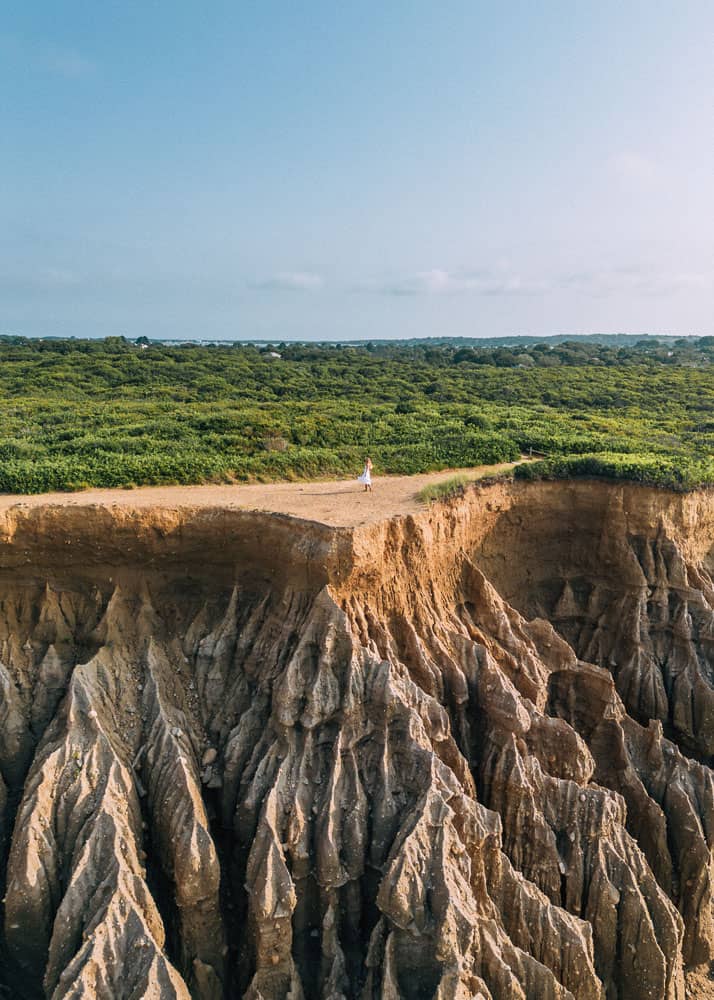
(64, 473)
(110, 414)
(448, 451)
(654, 470)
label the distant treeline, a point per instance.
(116, 412)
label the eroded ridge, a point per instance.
(245, 756)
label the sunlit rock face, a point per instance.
(464, 754)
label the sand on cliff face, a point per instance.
(340, 503)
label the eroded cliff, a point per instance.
(461, 754)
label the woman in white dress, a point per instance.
(366, 476)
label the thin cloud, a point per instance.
(46, 57)
(68, 64)
(635, 169)
(291, 281)
(44, 279)
(600, 283)
(442, 282)
(636, 281)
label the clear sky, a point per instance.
(263, 169)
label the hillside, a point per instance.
(458, 753)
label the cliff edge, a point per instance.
(463, 753)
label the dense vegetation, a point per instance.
(116, 413)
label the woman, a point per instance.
(366, 476)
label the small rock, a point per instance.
(209, 756)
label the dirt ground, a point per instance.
(339, 502)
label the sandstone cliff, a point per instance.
(463, 754)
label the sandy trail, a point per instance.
(340, 503)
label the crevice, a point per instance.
(231, 904)
(307, 934)
(162, 891)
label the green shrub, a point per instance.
(654, 470)
(440, 491)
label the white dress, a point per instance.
(366, 476)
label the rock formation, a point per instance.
(458, 755)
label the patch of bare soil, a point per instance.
(337, 502)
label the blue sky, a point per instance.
(337, 170)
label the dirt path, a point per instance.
(337, 503)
